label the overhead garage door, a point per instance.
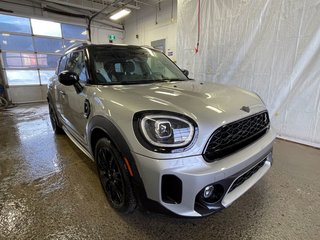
(30, 49)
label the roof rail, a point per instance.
(76, 45)
(147, 46)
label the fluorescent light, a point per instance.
(168, 93)
(116, 103)
(215, 109)
(120, 14)
(156, 101)
(208, 95)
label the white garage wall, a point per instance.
(271, 47)
(143, 23)
(100, 34)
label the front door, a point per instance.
(76, 105)
(59, 93)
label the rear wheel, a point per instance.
(3, 103)
(114, 177)
(54, 121)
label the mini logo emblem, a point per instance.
(245, 109)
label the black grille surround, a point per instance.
(236, 135)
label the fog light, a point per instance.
(208, 191)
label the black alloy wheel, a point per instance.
(114, 177)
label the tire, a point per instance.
(3, 103)
(54, 121)
(114, 177)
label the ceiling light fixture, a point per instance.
(120, 14)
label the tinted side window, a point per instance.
(62, 64)
(76, 63)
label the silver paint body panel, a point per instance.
(210, 105)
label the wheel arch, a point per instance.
(49, 97)
(100, 126)
(51, 103)
(104, 127)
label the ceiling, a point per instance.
(99, 9)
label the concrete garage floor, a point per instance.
(50, 190)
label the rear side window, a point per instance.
(62, 64)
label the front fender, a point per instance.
(115, 136)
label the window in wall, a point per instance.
(76, 64)
(22, 77)
(73, 31)
(62, 64)
(46, 28)
(48, 45)
(14, 24)
(68, 43)
(47, 60)
(45, 75)
(31, 48)
(15, 43)
(118, 67)
(19, 60)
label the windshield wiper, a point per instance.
(144, 81)
(140, 81)
(175, 79)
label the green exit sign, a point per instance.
(112, 37)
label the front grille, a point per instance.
(247, 175)
(236, 135)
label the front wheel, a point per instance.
(114, 177)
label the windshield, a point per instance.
(133, 65)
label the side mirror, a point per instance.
(68, 78)
(185, 72)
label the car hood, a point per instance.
(198, 100)
(210, 105)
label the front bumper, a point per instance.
(190, 175)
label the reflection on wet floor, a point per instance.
(35, 145)
(32, 162)
(50, 190)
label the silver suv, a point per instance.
(159, 139)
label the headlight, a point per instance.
(165, 131)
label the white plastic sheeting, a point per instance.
(271, 47)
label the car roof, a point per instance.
(110, 45)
